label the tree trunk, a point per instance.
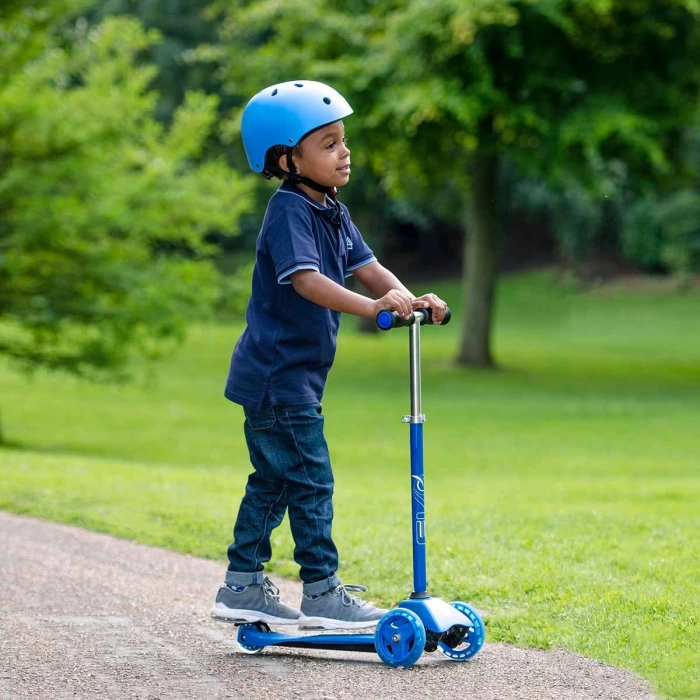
(479, 267)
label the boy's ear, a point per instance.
(283, 163)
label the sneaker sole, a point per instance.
(221, 612)
(327, 623)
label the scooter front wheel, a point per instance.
(246, 631)
(462, 642)
(399, 638)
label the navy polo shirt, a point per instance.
(289, 343)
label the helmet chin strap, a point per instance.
(332, 192)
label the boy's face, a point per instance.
(325, 157)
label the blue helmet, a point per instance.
(281, 115)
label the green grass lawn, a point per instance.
(563, 492)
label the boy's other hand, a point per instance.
(432, 302)
(398, 300)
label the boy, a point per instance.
(306, 247)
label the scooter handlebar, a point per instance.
(386, 320)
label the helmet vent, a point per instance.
(298, 84)
(327, 100)
(274, 92)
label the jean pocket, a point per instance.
(260, 418)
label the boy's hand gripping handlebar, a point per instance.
(386, 320)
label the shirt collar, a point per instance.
(290, 188)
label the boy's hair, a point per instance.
(272, 157)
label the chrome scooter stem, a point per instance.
(414, 359)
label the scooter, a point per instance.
(419, 623)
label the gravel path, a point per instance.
(85, 615)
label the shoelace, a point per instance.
(270, 590)
(351, 599)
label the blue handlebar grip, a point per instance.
(386, 320)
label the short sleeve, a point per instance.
(359, 253)
(291, 243)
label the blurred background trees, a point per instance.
(104, 212)
(487, 136)
(589, 102)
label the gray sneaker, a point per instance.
(338, 610)
(255, 603)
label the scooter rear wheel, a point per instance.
(399, 638)
(463, 643)
(244, 631)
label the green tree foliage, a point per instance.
(665, 231)
(661, 228)
(24, 27)
(182, 26)
(589, 96)
(103, 211)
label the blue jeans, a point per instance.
(292, 473)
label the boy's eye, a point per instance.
(332, 144)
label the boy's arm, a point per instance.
(377, 280)
(325, 292)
